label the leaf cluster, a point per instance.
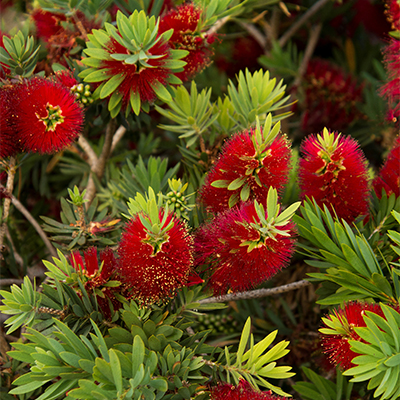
(20, 54)
(379, 359)
(346, 258)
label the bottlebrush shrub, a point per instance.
(133, 66)
(185, 20)
(134, 355)
(250, 163)
(333, 171)
(246, 245)
(155, 252)
(46, 116)
(388, 177)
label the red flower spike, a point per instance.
(393, 13)
(245, 170)
(47, 23)
(66, 78)
(339, 329)
(9, 140)
(134, 66)
(47, 117)
(243, 248)
(134, 81)
(389, 174)
(95, 277)
(243, 391)
(391, 90)
(331, 97)
(333, 171)
(155, 266)
(184, 21)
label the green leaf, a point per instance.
(111, 85)
(116, 370)
(243, 341)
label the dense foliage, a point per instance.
(200, 200)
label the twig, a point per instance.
(218, 25)
(10, 281)
(255, 33)
(19, 206)
(294, 28)
(92, 156)
(7, 201)
(17, 257)
(309, 51)
(255, 294)
(117, 137)
(97, 168)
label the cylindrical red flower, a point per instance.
(331, 97)
(259, 170)
(47, 117)
(393, 13)
(336, 346)
(241, 256)
(184, 21)
(333, 171)
(389, 174)
(9, 140)
(242, 391)
(155, 267)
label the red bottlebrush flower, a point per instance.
(155, 265)
(389, 174)
(241, 53)
(184, 21)
(246, 168)
(393, 13)
(9, 140)
(243, 250)
(47, 117)
(330, 97)
(96, 274)
(134, 66)
(391, 90)
(343, 321)
(333, 171)
(138, 80)
(47, 23)
(243, 391)
(66, 78)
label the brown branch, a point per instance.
(97, 168)
(255, 294)
(218, 25)
(7, 200)
(10, 281)
(309, 51)
(92, 156)
(297, 25)
(255, 33)
(20, 207)
(117, 137)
